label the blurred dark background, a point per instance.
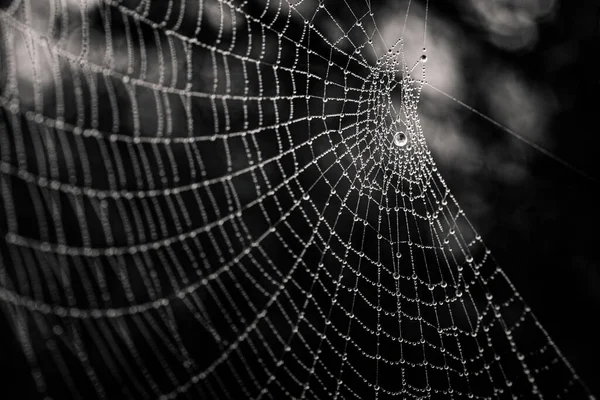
(530, 66)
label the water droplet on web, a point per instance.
(400, 139)
(424, 58)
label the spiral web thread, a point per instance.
(207, 200)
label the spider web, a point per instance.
(227, 199)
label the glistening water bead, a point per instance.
(400, 139)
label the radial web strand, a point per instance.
(235, 199)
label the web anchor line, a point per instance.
(523, 139)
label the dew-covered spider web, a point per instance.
(235, 199)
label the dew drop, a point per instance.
(424, 58)
(400, 139)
